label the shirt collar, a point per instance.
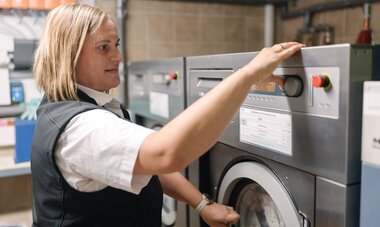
(100, 98)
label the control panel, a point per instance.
(308, 90)
(165, 80)
(157, 88)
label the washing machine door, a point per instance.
(259, 196)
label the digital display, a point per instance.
(158, 78)
(265, 87)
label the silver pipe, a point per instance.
(269, 25)
(121, 14)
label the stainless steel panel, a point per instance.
(336, 204)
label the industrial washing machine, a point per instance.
(156, 91)
(290, 157)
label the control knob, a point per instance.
(293, 86)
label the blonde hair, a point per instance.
(57, 55)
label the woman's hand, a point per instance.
(263, 65)
(218, 215)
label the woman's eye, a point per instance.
(103, 47)
(107, 47)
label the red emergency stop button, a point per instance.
(321, 81)
(173, 76)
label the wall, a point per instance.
(160, 29)
(347, 22)
(108, 6)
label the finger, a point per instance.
(229, 208)
(287, 45)
(289, 51)
(279, 47)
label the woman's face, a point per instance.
(99, 60)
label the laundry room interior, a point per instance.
(300, 148)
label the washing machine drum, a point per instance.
(259, 196)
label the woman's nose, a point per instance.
(117, 56)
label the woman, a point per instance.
(90, 166)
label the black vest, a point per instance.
(57, 204)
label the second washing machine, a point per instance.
(156, 92)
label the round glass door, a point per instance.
(256, 207)
(259, 197)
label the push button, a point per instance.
(321, 81)
(170, 77)
(173, 76)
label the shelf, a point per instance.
(11, 111)
(7, 166)
(20, 74)
(17, 218)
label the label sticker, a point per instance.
(371, 104)
(266, 129)
(159, 104)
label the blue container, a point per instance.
(24, 135)
(369, 198)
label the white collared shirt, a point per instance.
(99, 149)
